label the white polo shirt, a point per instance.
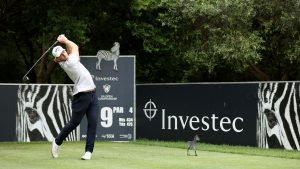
(78, 74)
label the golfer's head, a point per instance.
(57, 51)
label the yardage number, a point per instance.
(106, 115)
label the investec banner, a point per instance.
(115, 82)
(254, 114)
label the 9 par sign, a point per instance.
(116, 96)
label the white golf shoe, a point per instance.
(87, 156)
(55, 149)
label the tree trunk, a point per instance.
(260, 75)
(45, 71)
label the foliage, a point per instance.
(35, 27)
(278, 23)
(174, 41)
(222, 35)
(207, 35)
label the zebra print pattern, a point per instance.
(42, 112)
(278, 122)
(111, 55)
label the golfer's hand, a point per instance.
(62, 38)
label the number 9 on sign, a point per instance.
(106, 115)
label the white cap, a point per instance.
(57, 50)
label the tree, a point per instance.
(207, 35)
(174, 41)
(278, 23)
(34, 26)
(254, 39)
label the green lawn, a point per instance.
(144, 154)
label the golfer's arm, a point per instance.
(72, 48)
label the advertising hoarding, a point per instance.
(115, 82)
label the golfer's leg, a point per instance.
(92, 118)
(79, 107)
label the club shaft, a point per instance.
(39, 59)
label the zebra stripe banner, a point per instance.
(34, 112)
(42, 112)
(278, 120)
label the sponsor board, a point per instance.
(219, 113)
(116, 96)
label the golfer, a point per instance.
(84, 98)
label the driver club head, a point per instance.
(25, 79)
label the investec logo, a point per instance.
(205, 123)
(150, 110)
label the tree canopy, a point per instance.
(174, 41)
(216, 39)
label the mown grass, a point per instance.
(227, 149)
(144, 154)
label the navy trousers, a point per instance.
(82, 104)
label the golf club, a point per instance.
(25, 77)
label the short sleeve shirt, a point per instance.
(78, 74)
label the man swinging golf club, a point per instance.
(84, 98)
